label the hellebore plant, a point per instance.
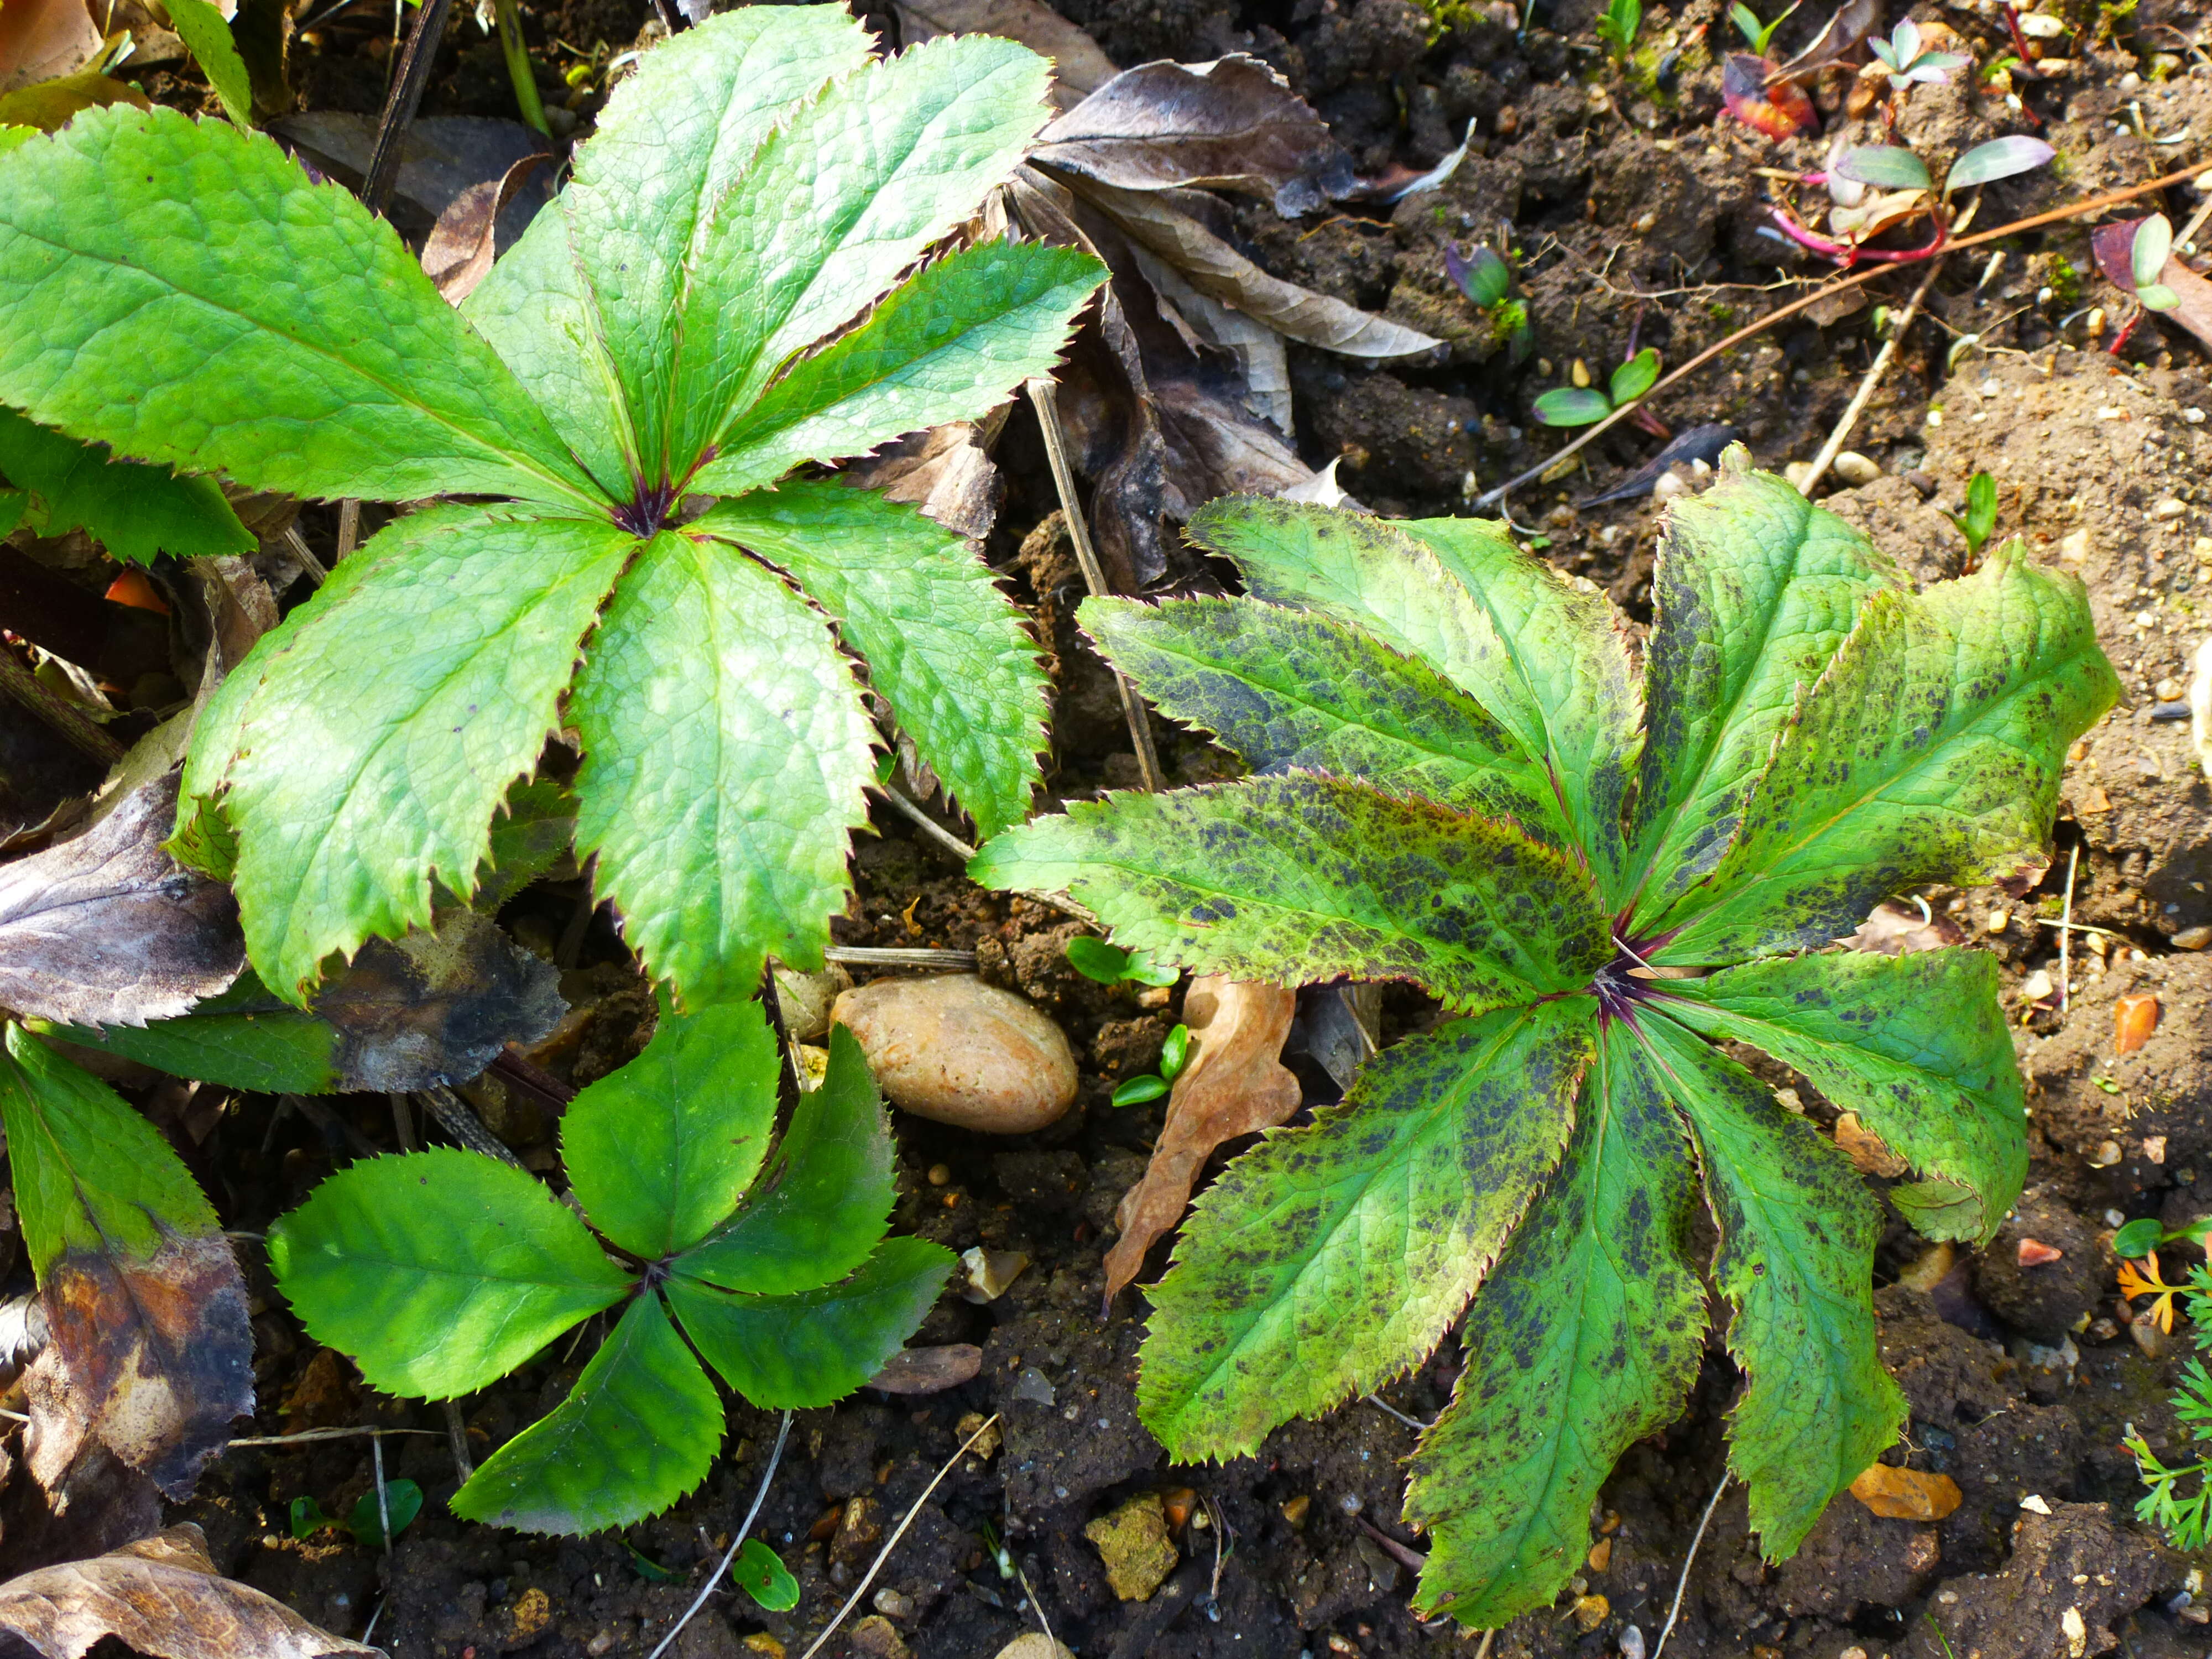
(1907, 191)
(733, 286)
(1462, 782)
(440, 1271)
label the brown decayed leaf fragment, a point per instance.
(152, 1358)
(40, 40)
(2134, 1016)
(162, 1596)
(1907, 1494)
(107, 929)
(1079, 67)
(1851, 23)
(1232, 1084)
(463, 243)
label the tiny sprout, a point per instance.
(1569, 405)
(1902, 57)
(1756, 34)
(1174, 1054)
(1109, 964)
(2147, 257)
(1487, 280)
(1617, 28)
(1979, 521)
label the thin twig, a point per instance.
(1872, 379)
(318, 572)
(891, 1543)
(2066, 933)
(383, 1504)
(928, 825)
(400, 105)
(1683, 1582)
(456, 1438)
(349, 529)
(82, 731)
(456, 1118)
(1842, 284)
(1385, 1406)
(1044, 397)
(402, 1123)
(865, 955)
(774, 1457)
(2065, 926)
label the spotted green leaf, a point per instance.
(1917, 1045)
(1585, 1338)
(638, 1429)
(1309, 877)
(1328, 1260)
(1797, 1255)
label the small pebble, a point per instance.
(2034, 1505)
(2074, 547)
(2193, 938)
(961, 1051)
(2169, 508)
(2170, 711)
(2167, 690)
(1854, 469)
(888, 1602)
(1925, 483)
(1996, 923)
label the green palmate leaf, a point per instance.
(1917, 1045)
(945, 648)
(724, 755)
(797, 248)
(244, 1039)
(813, 1347)
(1307, 877)
(1328, 1260)
(824, 1199)
(638, 1429)
(206, 33)
(1797, 1254)
(1291, 691)
(90, 1174)
(135, 511)
(1585, 1338)
(220, 307)
(535, 828)
(661, 1150)
(440, 1271)
(354, 793)
(948, 345)
(1755, 589)
(675, 138)
(536, 310)
(1929, 752)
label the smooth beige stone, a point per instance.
(956, 1050)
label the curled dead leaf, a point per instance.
(40, 40)
(1231, 1085)
(162, 1596)
(107, 928)
(458, 252)
(1907, 1494)
(1849, 24)
(2134, 1016)
(1868, 1154)
(441, 159)
(1230, 124)
(1079, 67)
(1892, 930)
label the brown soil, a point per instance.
(1637, 214)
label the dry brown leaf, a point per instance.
(1907, 1494)
(107, 929)
(929, 1371)
(441, 160)
(1852, 22)
(946, 471)
(1869, 1153)
(1078, 66)
(41, 39)
(1230, 124)
(152, 1359)
(1895, 929)
(1171, 224)
(1233, 1083)
(162, 1596)
(2194, 293)
(463, 242)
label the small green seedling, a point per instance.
(1487, 281)
(760, 1572)
(1569, 405)
(1908, 64)
(1618, 27)
(403, 1500)
(440, 1271)
(1979, 521)
(1174, 1053)
(1891, 167)
(1756, 34)
(1109, 964)
(2147, 257)
(744, 277)
(1460, 780)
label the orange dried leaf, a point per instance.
(1232, 1084)
(2134, 1016)
(131, 588)
(1906, 1494)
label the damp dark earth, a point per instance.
(1300, 236)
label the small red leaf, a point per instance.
(1781, 110)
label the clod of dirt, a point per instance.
(2072, 1576)
(1035, 1645)
(1134, 1544)
(2047, 1299)
(961, 1051)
